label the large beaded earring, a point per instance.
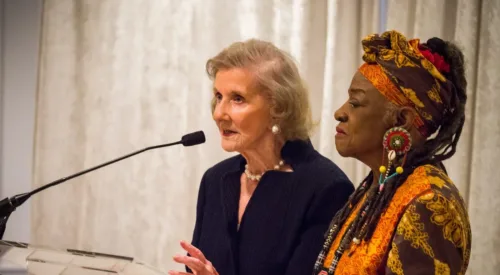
(397, 142)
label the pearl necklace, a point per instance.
(254, 177)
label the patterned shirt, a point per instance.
(424, 230)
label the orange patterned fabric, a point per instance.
(335, 244)
(383, 84)
(379, 79)
(418, 231)
(408, 73)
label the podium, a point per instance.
(23, 259)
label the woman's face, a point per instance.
(241, 112)
(361, 121)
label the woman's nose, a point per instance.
(340, 116)
(220, 111)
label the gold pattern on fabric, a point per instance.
(433, 93)
(447, 215)
(413, 230)
(393, 261)
(426, 218)
(441, 268)
(411, 95)
(413, 75)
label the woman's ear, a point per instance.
(405, 117)
(391, 116)
(400, 117)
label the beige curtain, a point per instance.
(117, 76)
(473, 24)
(348, 22)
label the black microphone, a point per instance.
(193, 138)
(9, 205)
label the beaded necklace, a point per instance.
(397, 141)
(257, 177)
(344, 244)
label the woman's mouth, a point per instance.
(228, 133)
(340, 132)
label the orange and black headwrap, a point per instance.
(409, 74)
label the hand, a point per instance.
(196, 262)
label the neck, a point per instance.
(263, 157)
(374, 161)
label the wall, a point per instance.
(19, 51)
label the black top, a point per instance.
(281, 231)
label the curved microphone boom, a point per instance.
(9, 205)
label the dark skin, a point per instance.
(363, 120)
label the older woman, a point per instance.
(265, 210)
(404, 116)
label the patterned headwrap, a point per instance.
(409, 74)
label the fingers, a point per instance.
(193, 251)
(212, 268)
(196, 261)
(193, 263)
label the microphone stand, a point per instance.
(9, 205)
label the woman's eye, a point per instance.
(218, 96)
(354, 104)
(238, 99)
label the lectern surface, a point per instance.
(21, 258)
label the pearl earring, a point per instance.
(275, 129)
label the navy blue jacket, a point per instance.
(281, 231)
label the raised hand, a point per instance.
(196, 261)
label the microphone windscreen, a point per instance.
(193, 138)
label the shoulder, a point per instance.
(309, 164)
(431, 179)
(213, 175)
(440, 203)
(427, 178)
(436, 221)
(438, 193)
(223, 167)
(424, 188)
(318, 164)
(321, 173)
(441, 195)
